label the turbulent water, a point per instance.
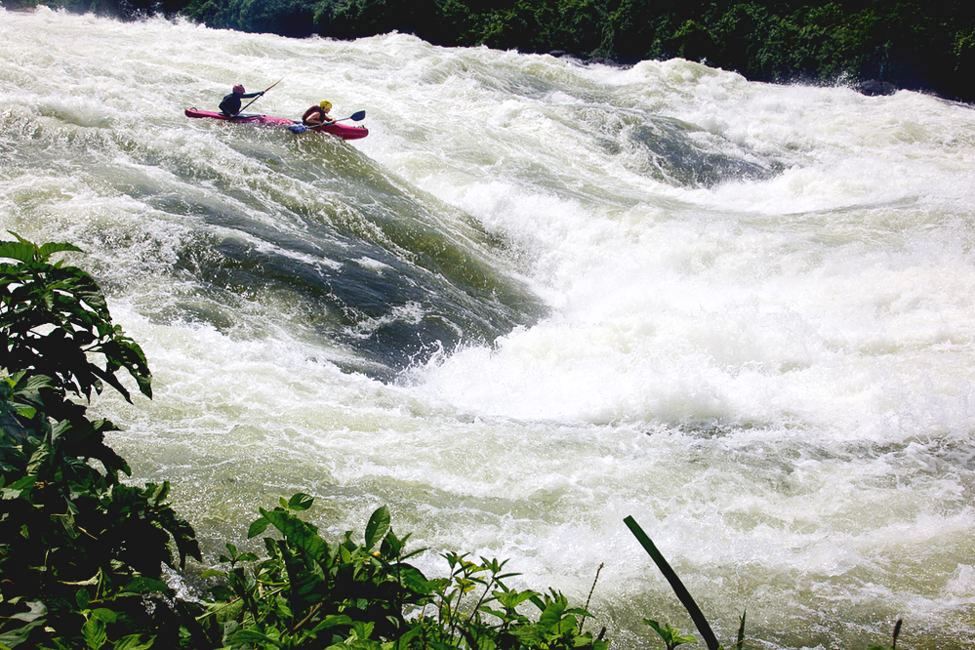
(539, 297)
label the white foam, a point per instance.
(774, 374)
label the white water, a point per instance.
(772, 371)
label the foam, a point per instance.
(773, 373)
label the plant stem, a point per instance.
(311, 612)
(582, 623)
(682, 594)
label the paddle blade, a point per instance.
(297, 128)
(358, 116)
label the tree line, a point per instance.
(916, 44)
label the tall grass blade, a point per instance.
(740, 641)
(679, 589)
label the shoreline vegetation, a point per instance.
(876, 46)
(83, 551)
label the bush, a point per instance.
(308, 592)
(82, 554)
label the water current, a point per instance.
(539, 297)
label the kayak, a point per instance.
(344, 131)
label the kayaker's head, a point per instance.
(325, 105)
(239, 89)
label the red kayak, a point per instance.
(344, 131)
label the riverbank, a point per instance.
(876, 46)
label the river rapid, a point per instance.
(539, 297)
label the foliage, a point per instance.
(53, 318)
(672, 637)
(81, 553)
(286, 17)
(740, 638)
(909, 43)
(669, 634)
(308, 592)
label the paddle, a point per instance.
(259, 96)
(358, 116)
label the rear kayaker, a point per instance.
(344, 131)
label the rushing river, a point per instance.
(539, 297)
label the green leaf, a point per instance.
(300, 501)
(22, 251)
(26, 412)
(258, 527)
(552, 613)
(392, 546)
(36, 610)
(362, 629)
(18, 487)
(740, 640)
(105, 615)
(144, 585)
(252, 636)
(36, 617)
(377, 526)
(46, 250)
(405, 640)
(330, 621)
(135, 642)
(671, 636)
(511, 599)
(94, 633)
(36, 382)
(221, 592)
(298, 533)
(414, 580)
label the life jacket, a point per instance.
(230, 104)
(322, 114)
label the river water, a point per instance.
(539, 297)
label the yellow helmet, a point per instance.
(325, 104)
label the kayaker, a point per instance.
(318, 114)
(230, 105)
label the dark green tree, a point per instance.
(81, 552)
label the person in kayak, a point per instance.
(230, 105)
(318, 114)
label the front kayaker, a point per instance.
(230, 106)
(318, 114)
